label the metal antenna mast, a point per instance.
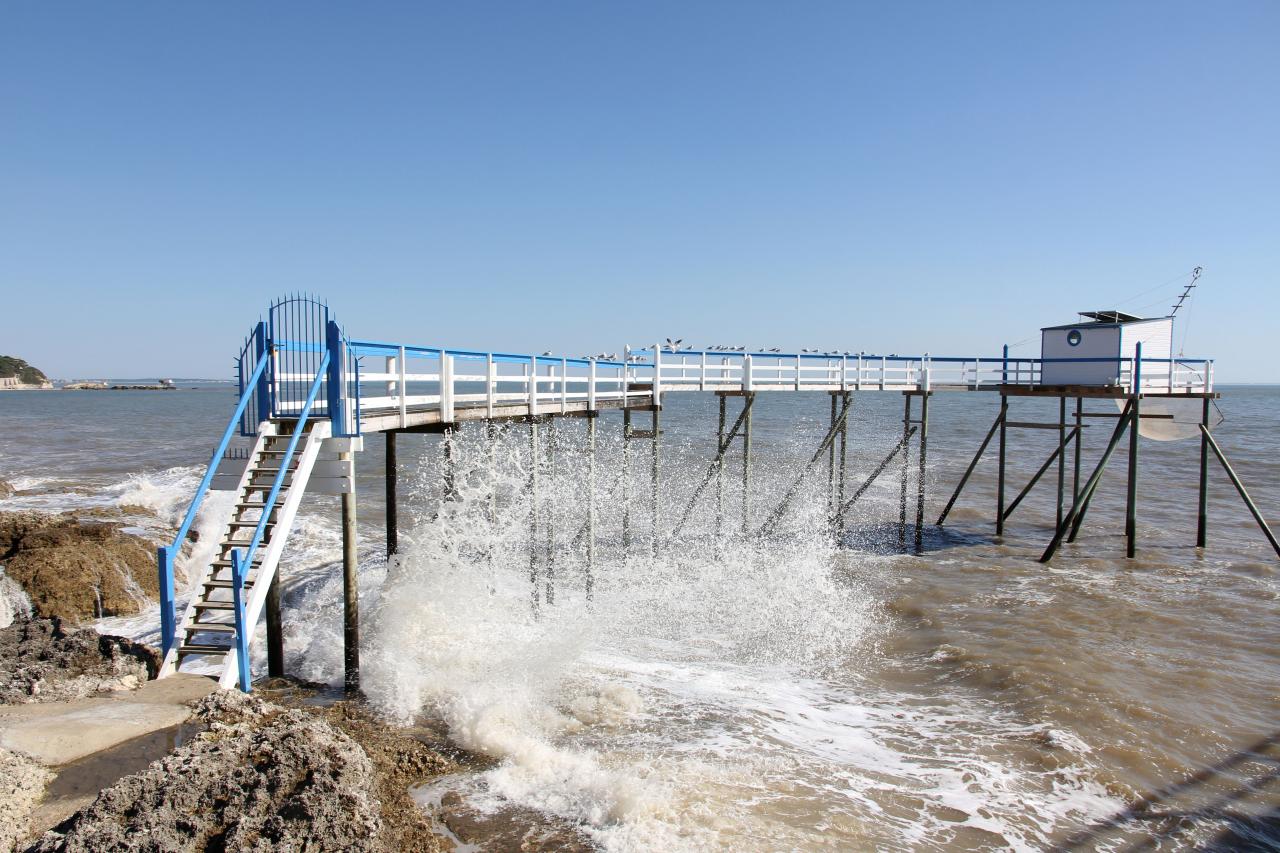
(1186, 291)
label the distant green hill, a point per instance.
(28, 375)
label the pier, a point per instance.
(308, 394)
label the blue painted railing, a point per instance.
(241, 565)
(165, 554)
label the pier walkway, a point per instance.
(308, 394)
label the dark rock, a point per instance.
(44, 660)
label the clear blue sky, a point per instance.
(529, 176)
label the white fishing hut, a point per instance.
(1108, 339)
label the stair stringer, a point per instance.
(169, 665)
(315, 437)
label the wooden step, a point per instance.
(213, 627)
(226, 564)
(251, 522)
(202, 649)
(223, 584)
(215, 605)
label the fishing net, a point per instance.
(1173, 418)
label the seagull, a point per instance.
(674, 345)
(806, 349)
(548, 352)
(775, 349)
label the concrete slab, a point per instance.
(56, 733)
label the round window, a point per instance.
(1073, 337)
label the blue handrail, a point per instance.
(240, 566)
(269, 504)
(165, 554)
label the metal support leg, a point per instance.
(655, 474)
(920, 485)
(350, 591)
(393, 527)
(1244, 495)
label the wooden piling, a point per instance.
(654, 476)
(350, 590)
(1062, 456)
(906, 467)
(920, 484)
(1004, 430)
(1202, 519)
(748, 402)
(391, 475)
(589, 579)
(533, 514)
(1075, 477)
(1131, 493)
(720, 470)
(275, 629)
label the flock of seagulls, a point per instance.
(673, 345)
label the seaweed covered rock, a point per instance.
(44, 660)
(260, 778)
(77, 569)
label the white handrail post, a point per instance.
(626, 374)
(533, 385)
(746, 372)
(884, 365)
(797, 372)
(857, 380)
(404, 390)
(564, 385)
(844, 373)
(702, 372)
(591, 385)
(446, 387)
(391, 371)
(657, 376)
(491, 384)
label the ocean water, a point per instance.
(785, 692)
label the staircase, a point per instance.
(207, 629)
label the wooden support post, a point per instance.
(1056, 454)
(1202, 519)
(845, 507)
(920, 485)
(446, 447)
(275, 628)
(1075, 477)
(350, 591)
(844, 448)
(719, 470)
(1135, 429)
(746, 461)
(1062, 455)
(549, 518)
(906, 468)
(533, 513)
(392, 472)
(973, 463)
(831, 462)
(589, 580)
(827, 443)
(1076, 516)
(626, 483)
(655, 474)
(1004, 418)
(1244, 495)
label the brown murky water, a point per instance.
(784, 694)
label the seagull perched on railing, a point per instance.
(548, 352)
(674, 345)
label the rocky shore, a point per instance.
(144, 765)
